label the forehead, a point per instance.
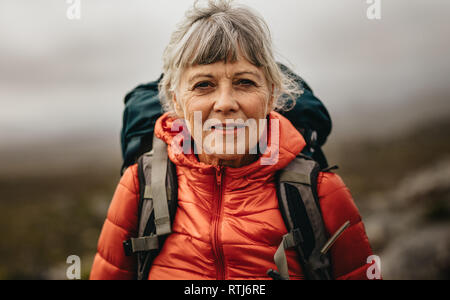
(222, 69)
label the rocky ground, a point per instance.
(402, 188)
(409, 226)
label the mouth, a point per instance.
(228, 128)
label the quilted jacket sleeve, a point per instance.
(110, 262)
(350, 252)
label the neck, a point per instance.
(235, 162)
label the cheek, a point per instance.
(200, 106)
(255, 106)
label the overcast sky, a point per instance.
(60, 77)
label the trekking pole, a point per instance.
(334, 238)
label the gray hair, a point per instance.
(220, 31)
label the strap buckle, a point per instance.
(293, 239)
(128, 248)
(275, 275)
(142, 244)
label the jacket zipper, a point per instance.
(220, 264)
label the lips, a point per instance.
(227, 126)
(227, 129)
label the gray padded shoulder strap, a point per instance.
(154, 199)
(302, 174)
(158, 188)
(147, 199)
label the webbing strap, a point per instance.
(144, 244)
(147, 201)
(148, 192)
(158, 190)
(290, 240)
(289, 176)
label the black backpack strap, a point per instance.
(299, 205)
(157, 206)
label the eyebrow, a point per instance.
(209, 75)
(249, 73)
(193, 78)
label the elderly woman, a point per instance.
(220, 77)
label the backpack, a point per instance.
(143, 109)
(298, 202)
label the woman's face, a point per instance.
(216, 100)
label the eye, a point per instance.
(246, 82)
(203, 85)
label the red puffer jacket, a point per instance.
(232, 234)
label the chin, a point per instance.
(229, 157)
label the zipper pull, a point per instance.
(219, 175)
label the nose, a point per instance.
(226, 103)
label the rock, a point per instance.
(423, 254)
(409, 226)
